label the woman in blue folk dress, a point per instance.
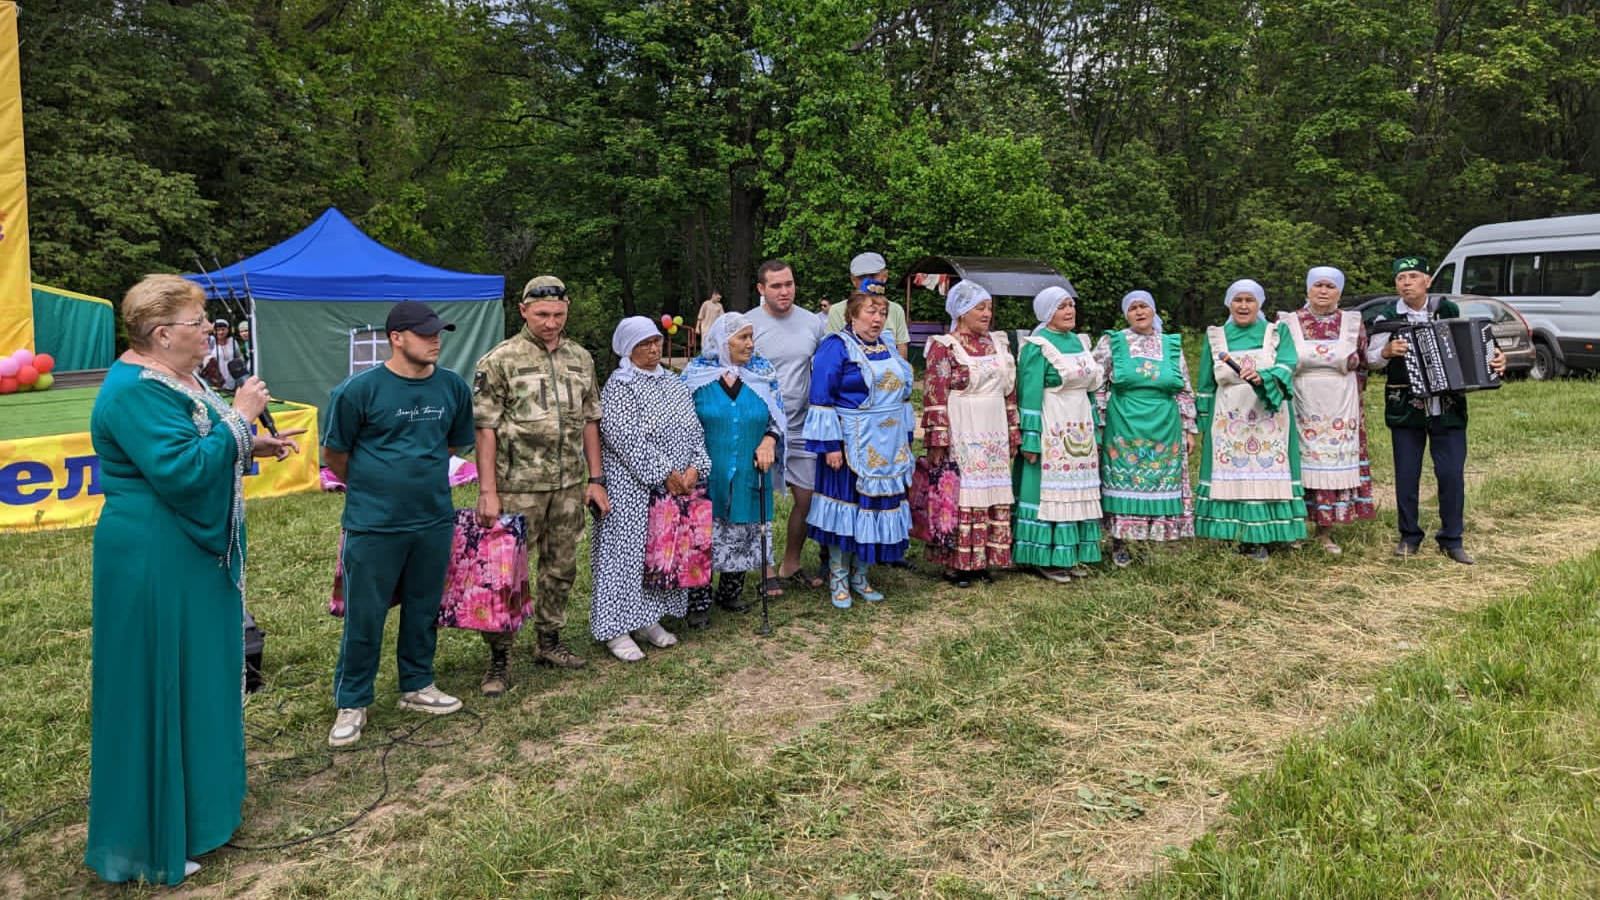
(860, 424)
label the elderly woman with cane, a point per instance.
(652, 451)
(860, 425)
(1250, 468)
(737, 400)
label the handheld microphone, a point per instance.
(238, 369)
(1223, 357)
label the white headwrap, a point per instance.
(1318, 273)
(1047, 301)
(1246, 286)
(1132, 297)
(962, 298)
(630, 333)
(757, 372)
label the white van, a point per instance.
(1549, 270)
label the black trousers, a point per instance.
(1448, 446)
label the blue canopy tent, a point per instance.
(320, 298)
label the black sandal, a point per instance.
(959, 579)
(799, 577)
(771, 587)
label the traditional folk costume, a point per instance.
(970, 407)
(166, 750)
(860, 405)
(736, 419)
(1057, 523)
(1250, 471)
(1328, 381)
(1148, 406)
(648, 430)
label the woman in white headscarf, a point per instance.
(1250, 469)
(650, 441)
(969, 413)
(1057, 525)
(1150, 431)
(1328, 381)
(737, 399)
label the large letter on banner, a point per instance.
(16, 296)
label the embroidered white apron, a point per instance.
(979, 435)
(1069, 460)
(1249, 446)
(1327, 405)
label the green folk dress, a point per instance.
(1057, 517)
(167, 759)
(1250, 468)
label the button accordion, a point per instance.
(1446, 356)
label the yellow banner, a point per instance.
(54, 481)
(16, 297)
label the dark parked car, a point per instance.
(1511, 331)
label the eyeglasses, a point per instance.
(197, 323)
(545, 291)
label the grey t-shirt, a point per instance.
(789, 343)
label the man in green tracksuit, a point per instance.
(389, 434)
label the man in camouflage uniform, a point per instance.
(536, 411)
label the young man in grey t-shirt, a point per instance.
(788, 337)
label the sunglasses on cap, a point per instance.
(545, 291)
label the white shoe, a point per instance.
(347, 727)
(655, 635)
(623, 648)
(430, 700)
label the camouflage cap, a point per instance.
(1411, 264)
(544, 287)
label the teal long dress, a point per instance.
(1253, 451)
(167, 761)
(1054, 544)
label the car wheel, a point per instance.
(1545, 364)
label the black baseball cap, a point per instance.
(416, 317)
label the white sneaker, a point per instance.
(656, 635)
(623, 648)
(430, 700)
(347, 727)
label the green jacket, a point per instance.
(538, 402)
(1401, 408)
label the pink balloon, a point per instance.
(23, 356)
(8, 367)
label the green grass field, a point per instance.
(1197, 725)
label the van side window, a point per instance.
(1573, 273)
(1482, 275)
(1444, 281)
(1525, 280)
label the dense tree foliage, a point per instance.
(651, 151)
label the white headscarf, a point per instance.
(630, 333)
(962, 298)
(1318, 273)
(714, 362)
(1047, 301)
(1250, 286)
(1132, 297)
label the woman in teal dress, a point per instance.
(1250, 467)
(166, 769)
(1056, 524)
(737, 399)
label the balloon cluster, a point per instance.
(24, 370)
(670, 324)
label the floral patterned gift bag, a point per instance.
(935, 511)
(677, 551)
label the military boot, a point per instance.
(498, 678)
(552, 653)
